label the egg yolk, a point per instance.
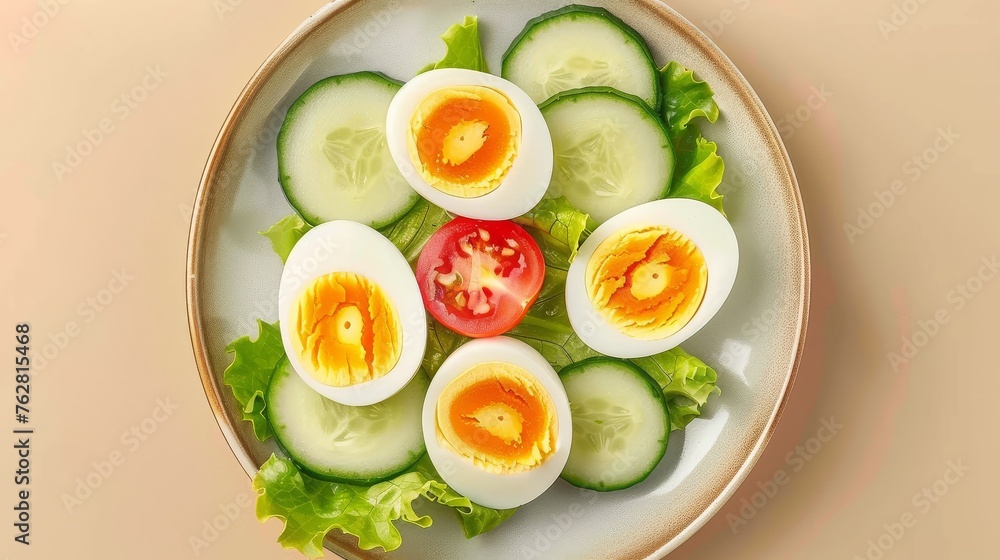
(345, 329)
(498, 415)
(463, 140)
(647, 282)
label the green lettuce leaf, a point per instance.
(475, 519)
(463, 48)
(699, 169)
(546, 327)
(408, 234)
(310, 508)
(685, 97)
(441, 342)
(687, 382)
(411, 231)
(550, 337)
(250, 373)
(564, 225)
(285, 234)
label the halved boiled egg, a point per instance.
(650, 277)
(471, 143)
(497, 423)
(351, 319)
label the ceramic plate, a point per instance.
(233, 275)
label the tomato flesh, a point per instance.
(478, 278)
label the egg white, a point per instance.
(530, 173)
(488, 489)
(345, 246)
(703, 225)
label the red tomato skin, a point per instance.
(515, 289)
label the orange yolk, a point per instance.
(500, 416)
(465, 139)
(346, 330)
(483, 122)
(647, 282)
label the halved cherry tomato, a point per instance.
(478, 278)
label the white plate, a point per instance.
(754, 342)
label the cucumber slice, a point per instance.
(611, 151)
(333, 160)
(579, 46)
(620, 424)
(356, 444)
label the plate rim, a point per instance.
(668, 17)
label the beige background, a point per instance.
(124, 208)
